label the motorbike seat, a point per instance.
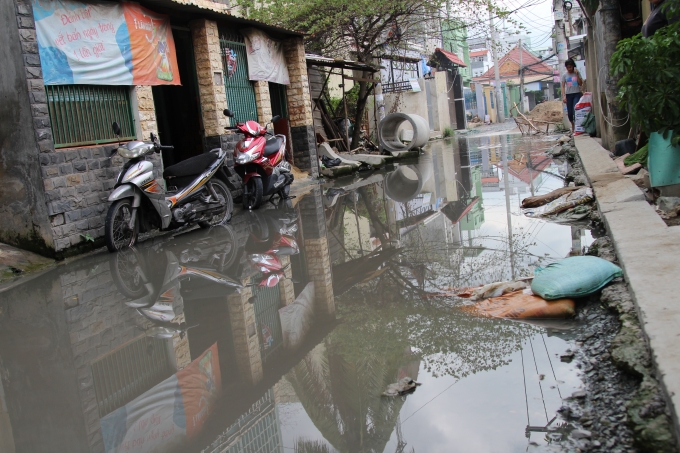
(272, 146)
(191, 166)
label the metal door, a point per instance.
(240, 90)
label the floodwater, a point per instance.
(280, 331)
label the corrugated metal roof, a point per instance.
(196, 9)
(452, 57)
(338, 63)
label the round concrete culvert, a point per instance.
(390, 127)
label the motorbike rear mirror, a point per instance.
(276, 118)
(228, 113)
(116, 128)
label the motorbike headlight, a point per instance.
(130, 153)
(258, 259)
(244, 158)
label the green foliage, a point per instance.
(538, 95)
(339, 28)
(448, 132)
(87, 237)
(650, 69)
(352, 98)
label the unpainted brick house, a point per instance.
(55, 140)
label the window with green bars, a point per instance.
(83, 114)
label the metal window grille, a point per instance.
(240, 90)
(268, 321)
(397, 87)
(83, 114)
(256, 431)
(470, 100)
(124, 374)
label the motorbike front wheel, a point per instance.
(117, 229)
(252, 193)
(225, 195)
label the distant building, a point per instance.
(480, 62)
(454, 35)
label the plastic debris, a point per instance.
(576, 276)
(496, 289)
(518, 305)
(404, 385)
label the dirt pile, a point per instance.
(547, 111)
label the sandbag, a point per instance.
(576, 276)
(518, 305)
(540, 200)
(581, 110)
(578, 197)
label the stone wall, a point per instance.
(76, 182)
(23, 215)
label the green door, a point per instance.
(240, 90)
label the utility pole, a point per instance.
(500, 104)
(525, 108)
(561, 47)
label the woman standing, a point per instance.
(571, 89)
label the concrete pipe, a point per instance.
(407, 181)
(389, 132)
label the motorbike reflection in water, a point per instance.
(159, 279)
(272, 236)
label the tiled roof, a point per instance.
(527, 59)
(451, 56)
(479, 53)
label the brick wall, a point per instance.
(147, 112)
(263, 100)
(210, 76)
(300, 108)
(77, 181)
(317, 251)
(299, 98)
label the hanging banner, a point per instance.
(104, 43)
(265, 57)
(169, 414)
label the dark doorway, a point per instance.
(456, 99)
(277, 94)
(178, 107)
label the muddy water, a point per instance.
(280, 331)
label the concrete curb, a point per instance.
(648, 252)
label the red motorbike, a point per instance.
(260, 160)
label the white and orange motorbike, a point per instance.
(198, 192)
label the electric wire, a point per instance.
(437, 396)
(557, 384)
(539, 380)
(524, 377)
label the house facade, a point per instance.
(57, 138)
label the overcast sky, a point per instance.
(535, 15)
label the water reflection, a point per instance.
(280, 331)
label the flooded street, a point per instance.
(280, 331)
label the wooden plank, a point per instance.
(622, 165)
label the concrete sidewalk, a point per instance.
(649, 253)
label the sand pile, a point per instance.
(547, 111)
